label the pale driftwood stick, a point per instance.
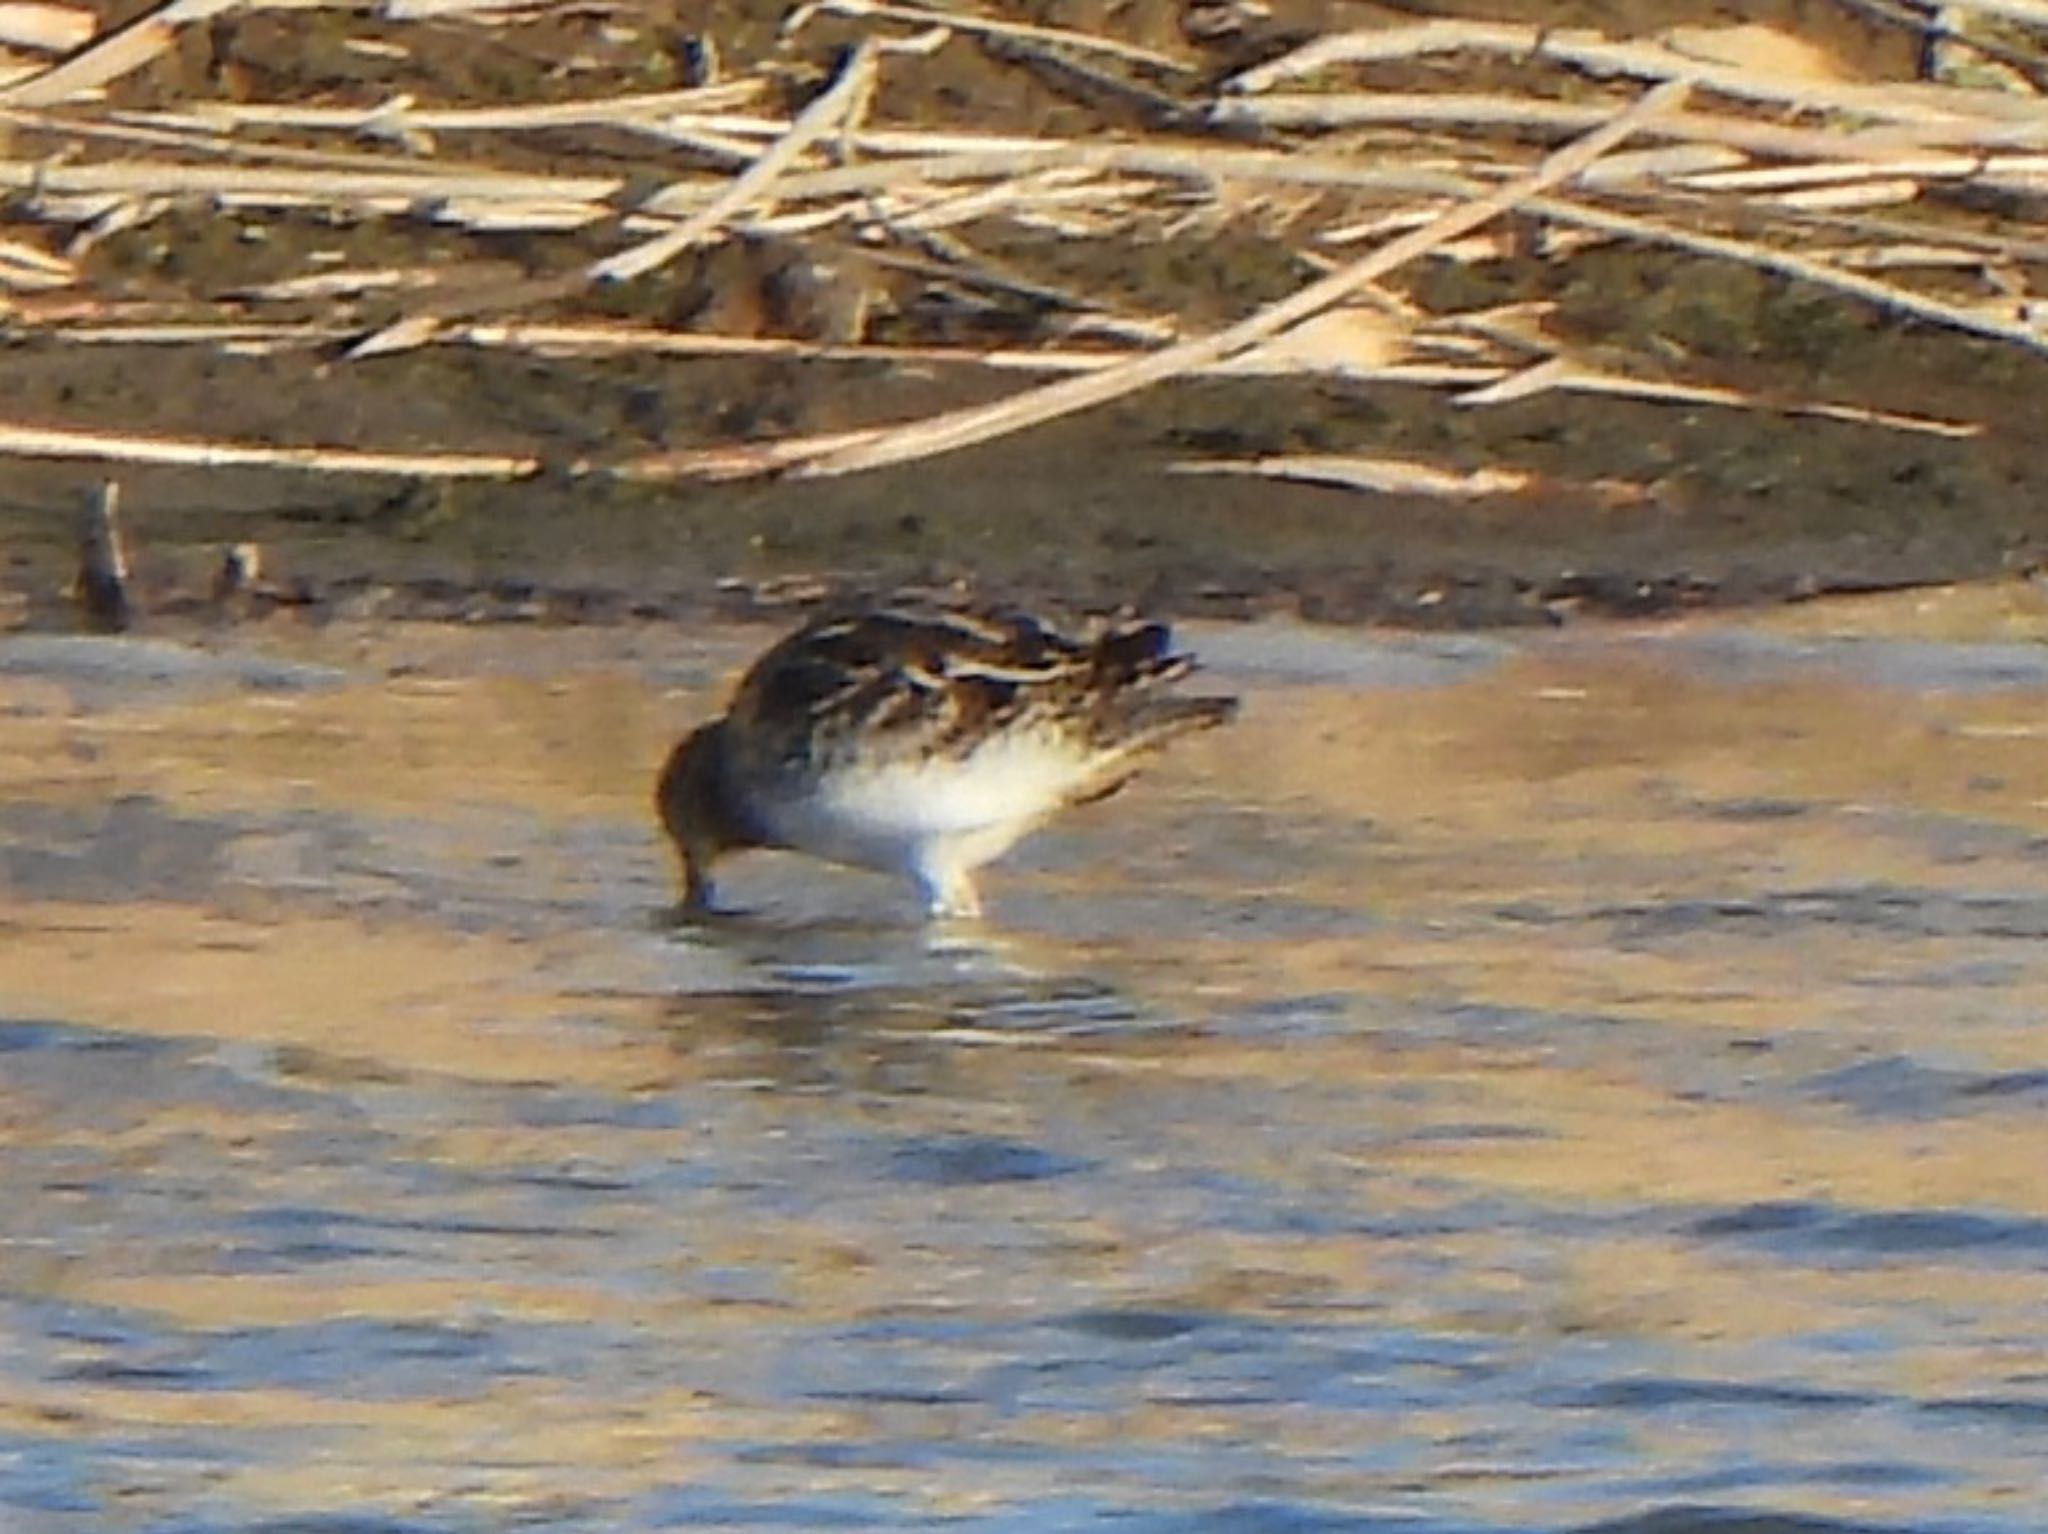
(1358, 109)
(2029, 180)
(604, 340)
(832, 106)
(23, 265)
(400, 335)
(1993, 246)
(1774, 178)
(1917, 257)
(1857, 415)
(224, 116)
(1894, 101)
(113, 56)
(113, 447)
(1383, 476)
(2015, 165)
(1886, 193)
(850, 452)
(1516, 328)
(1380, 225)
(801, 221)
(146, 178)
(1663, 164)
(1560, 374)
(961, 155)
(44, 27)
(229, 337)
(956, 21)
(1382, 44)
(354, 281)
(875, 141)
(497, 215)
(599, 340)
(1883, 294)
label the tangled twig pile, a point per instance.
(903, 234)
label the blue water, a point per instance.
(1408, 1115)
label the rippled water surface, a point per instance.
(1533, 1084)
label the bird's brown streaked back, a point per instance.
(924, 742)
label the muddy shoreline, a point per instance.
(1737, 508)
(1083, 516)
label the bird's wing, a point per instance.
(920, 683)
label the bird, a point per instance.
(923, 742)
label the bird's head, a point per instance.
(697, 810)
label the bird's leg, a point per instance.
(949, 892)
(697, 897)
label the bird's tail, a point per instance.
(1149, 722)
(1128, 735)
(1135, 713)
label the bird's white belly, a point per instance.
(895, 815)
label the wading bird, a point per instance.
(922, 743)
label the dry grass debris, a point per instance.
(891, 231)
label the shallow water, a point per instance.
(1500, 1085)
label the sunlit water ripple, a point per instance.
(1550, 1084)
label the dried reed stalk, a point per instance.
(400, 115)
(1379, 476)
(1559, 374)
(116, 447)
(118, 54)
(1788, 263)
(256, 184)
(45, 27)
(1409, 109)
(1892, 102)
(618, 340)
(837, 104)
